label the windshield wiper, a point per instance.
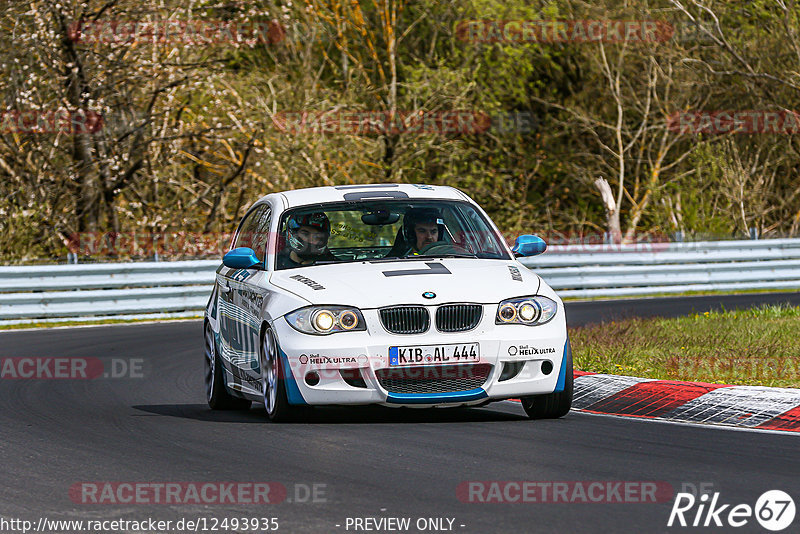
(451, 255)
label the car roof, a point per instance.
(339, 193)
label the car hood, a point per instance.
(377, 284)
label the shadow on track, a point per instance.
(337, 415)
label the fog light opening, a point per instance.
(312, 378)
(547, 367)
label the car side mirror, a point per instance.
(528, 245)
(241, 258)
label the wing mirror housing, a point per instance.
(528, 245)
(242, 258)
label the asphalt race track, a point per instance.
(154, 427)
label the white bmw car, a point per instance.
(388, 294)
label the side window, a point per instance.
(482, 232)
(244, 238)
(261, 232)
(473, 234)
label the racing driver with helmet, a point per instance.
(306, 241)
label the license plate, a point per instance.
(434, 354)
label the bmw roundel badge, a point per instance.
(429, 295)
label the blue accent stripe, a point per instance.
(293, 394)
(562, 374)
(436, 398)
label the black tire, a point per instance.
(552, 405)
(273, 383)
(217, 394)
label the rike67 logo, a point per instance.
(774, 510)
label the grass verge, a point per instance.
(757, 346)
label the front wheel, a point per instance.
(556, 404)
(273, 382)
(217, 395)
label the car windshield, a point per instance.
(385, 231)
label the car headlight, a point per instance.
(531, 311)
(322, 320)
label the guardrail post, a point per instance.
(678, 236)
(753, 233)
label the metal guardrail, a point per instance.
(646, 269)
(181, 288)
(62, 292)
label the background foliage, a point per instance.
(189, 137)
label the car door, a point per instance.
(236, 348)
(249, 291)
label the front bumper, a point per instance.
(535, 352)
